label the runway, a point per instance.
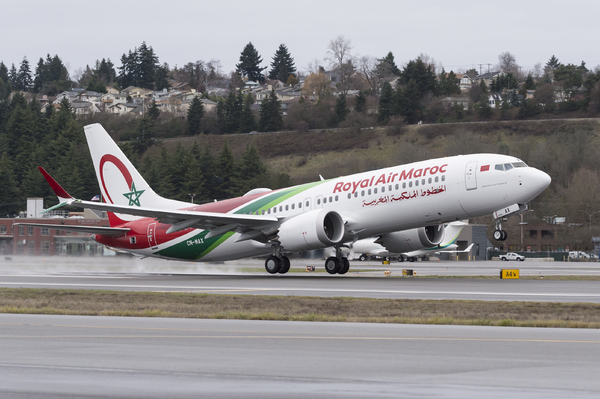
(68, 356)
(368, 281)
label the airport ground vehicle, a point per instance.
(512, 256)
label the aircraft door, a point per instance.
(307, 205)
(319, 202)
(470, 178)
(152, 235)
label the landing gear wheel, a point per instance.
(412, 259)
(273, 264)
(362, 258)
(345, 266)
(332, 265)
(400, 258)
(500, 235)
(285, 265)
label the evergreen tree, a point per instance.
(385, 103)
(252, 171)
(529, 83)
(224, 174)
(247, 119)
(421, 75)
(147, 63)
(249, 65)
(193, 185)
(162, 77)
(341, 109)
(282, 65)
(14, 78)
(194, 116)
(387, 66)
(484, 109)
(360, 102)
(448, 84)
(40, 75)
(153, 111)
(207, 169)
(553, 63)
(24, 78)
(271, 118)
(9, 204)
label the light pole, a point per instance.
(192, 197)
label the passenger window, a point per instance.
(410, 184)
(349, 195)
(507, 166)
(275, 210)
(356, 194)
(318, 201)
(330, 199)
(404, 185)
(307, 204)
(369, 191)
(416, 182)
(499, 167)
(263, 211)
(280, 208)
(337, 198)
(293, 206)
(325, 200)
(269, 211)
(423, 182)
(430, 180)
(362, 193)
(287, 207)
(436, 179)
(299, 205)
(443, 177)
(383, 189)
(398, 186)
(374, 191)
(390, 187)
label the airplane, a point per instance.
(413, 248)
(422, 195)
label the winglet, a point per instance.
(63, 196)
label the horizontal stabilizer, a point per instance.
(104, 231)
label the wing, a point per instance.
(468, 249)
(250, 226)
(105, 231)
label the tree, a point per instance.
(282, 65)
(385, 103)
(507, 63)
(360, 102)
(387, 66)
(316, 85)
(247, 119)
(422, 76)
(552, 63)
(249, 65)
(271, 118)
(153, 111)
(448, 84)
(341, 109)
(340, 58)
(24, 78)
(529, 83)
(8, 195)
(194, 116)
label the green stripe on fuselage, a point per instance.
(198, 246)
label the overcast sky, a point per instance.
(460, 35)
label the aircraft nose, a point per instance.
(538, 180)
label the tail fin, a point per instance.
(120, 183)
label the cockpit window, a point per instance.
(519, 164)
(507, 166)
(499, 167)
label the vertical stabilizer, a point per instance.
(120, 183)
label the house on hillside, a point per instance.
(125, 109)
(448, 103)
(487, 77)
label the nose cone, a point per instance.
(537, 181)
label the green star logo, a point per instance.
(134, 196)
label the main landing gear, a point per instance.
(499, 233)
(277, 264)
(337, 264)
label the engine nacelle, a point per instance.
(412, 240)
(318, 228)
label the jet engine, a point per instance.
(412, 240)
(318, 228)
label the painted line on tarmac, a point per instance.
(318, 290)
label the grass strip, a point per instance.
(294, 308)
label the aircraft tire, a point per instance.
(412, 259)
(504, 235)
(273, 264)
(400, 258)
(285, 265)
(345, 266)
(332, 265)
(498, 235)
(362, 258)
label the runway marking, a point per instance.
(320, 290)
(444, 339)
